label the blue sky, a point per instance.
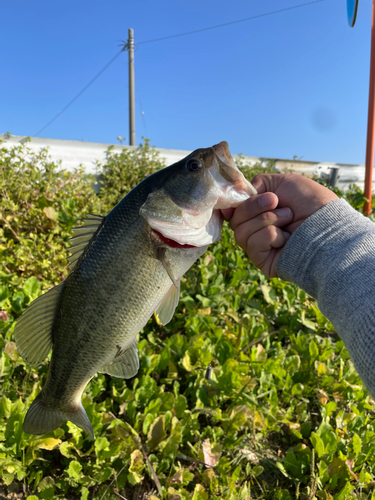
(289, 84)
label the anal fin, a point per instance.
(124, 365)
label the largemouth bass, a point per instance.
(125, 266)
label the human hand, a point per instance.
(263, 223)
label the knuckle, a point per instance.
(267, 217)
(270, 232)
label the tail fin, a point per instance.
(41, 418)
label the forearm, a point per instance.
(332, 257)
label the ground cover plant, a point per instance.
(248, 393)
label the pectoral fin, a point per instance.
(168, 304)
(167, 266)
(124, 365)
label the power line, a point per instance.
(167, 38)
(80, 93)
(229, 23)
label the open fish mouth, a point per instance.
(172, 243)
(193, 217)
(233, 186)
(184, 235)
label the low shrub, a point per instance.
(249, 377)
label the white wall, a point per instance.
(73, 153)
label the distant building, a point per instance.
(75, 153)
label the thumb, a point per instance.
(267, 182)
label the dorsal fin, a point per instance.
(33, 331)
(124, 365)
(82, 235)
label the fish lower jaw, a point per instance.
(172, 243)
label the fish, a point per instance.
(125, 267)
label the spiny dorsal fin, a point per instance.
(82, 235)
(168, 304)
(125, 365)
(33, 331)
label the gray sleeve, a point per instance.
(332, 257)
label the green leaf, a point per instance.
(157, 433)
(84, 493)
(51, 213)
(298, 388)
(268, 293)
(180, 405)
(330, 441)
(101, 443)
(46, 443)
(310, 324)
(357, 444)
(147, 389)
(46, 488)
(17, 301)
(4, 294)
(206, 302)
(149, 419)
(343, 495)
(187, 363)
(292, 364)
(313, 349)
(292, 465)
(74, 470)
(136, 467)
(66, 449)
(5, 407)
(170, 446)
(199, 493)
(317, 443)
(8, 478)
(31, 288)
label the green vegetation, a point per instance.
(280, 414)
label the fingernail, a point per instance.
(284, 212)
(287, 235)
(266, 200)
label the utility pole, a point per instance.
(130, 47)
(370, 121)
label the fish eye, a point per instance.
(194, 164)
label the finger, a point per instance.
(259, 184)
(227, 213)
(252, 207)
(279, 217)
(260, 244)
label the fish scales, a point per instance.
(127, 271)
(107, 313)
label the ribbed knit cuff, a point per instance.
(317, 241)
